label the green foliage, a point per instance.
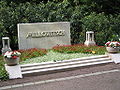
(76, 24)
(78, 12)
(105, 27)
(3, 73)
(107, 6)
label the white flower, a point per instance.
(18, 53)
(9, 56)
(113, 44)
(12, 53)
(6, 53)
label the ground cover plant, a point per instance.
(52, 56)
(66, 52)
(31, 53)
(79, 48)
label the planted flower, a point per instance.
(12, 54)
(12, 57)
(113, 44)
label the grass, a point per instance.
(55, 56)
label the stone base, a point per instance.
(115, 57)
(14, 71)
(112, 50)
(89, 43)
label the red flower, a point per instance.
(14, 57)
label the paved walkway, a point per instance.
(101, 77)
(105, 80)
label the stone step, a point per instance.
(29, 69)
(65, 67)
(64, 64)
(65, 61)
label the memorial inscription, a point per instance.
(43, 35)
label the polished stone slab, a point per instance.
(43, 35)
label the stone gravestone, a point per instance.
(43, 35)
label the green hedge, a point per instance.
(80, 15)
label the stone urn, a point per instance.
(11, 61)
(112, 50)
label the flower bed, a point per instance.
(80, 49)
(52, 56)
(31, 53)
(67, 52)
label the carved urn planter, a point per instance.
(112, 50)
(112, 46)
(12, 58)
(11, 61)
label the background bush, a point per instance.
(83, 15)
(105, 27)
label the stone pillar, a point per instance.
(6, 45)
(14, 71)
(90, 39)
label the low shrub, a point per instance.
(80, 49)
(31, 53)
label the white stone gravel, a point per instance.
(55, 56)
